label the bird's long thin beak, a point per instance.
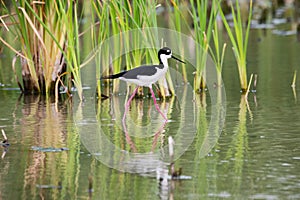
(178, 59)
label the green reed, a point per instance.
(203, 26)
(239, 39)
(49, 42)
(48, 37)
(179, 23)
(216, 51)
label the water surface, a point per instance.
(257, 156)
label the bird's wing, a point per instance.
(145, 70)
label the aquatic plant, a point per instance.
(203, 22)
(99, 32)
(239, 39)
(48, 38)
(49, 43)
(179, 22)
(216, 51)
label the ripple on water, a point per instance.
(264, 196)
(223, 194)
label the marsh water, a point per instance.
(256, 156)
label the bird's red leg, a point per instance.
(156, 105)
(128, 103)
(129, 141)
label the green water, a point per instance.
(257, 155)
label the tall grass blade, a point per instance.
(239, 37)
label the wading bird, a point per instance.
(146, 75)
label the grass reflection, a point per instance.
(238, 147)
(48, 174)
(208, 133)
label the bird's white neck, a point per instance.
(164, 60)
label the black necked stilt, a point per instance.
(147, 75)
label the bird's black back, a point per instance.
(144, 70)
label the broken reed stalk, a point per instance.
(175, 174)
(4, 135)
(248, 89)
(171, 153)
(171, 147)
(255, 83)
(293, 85)
(4, 144)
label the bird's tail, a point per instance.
(113, 76)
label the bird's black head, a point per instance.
(166, 53)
